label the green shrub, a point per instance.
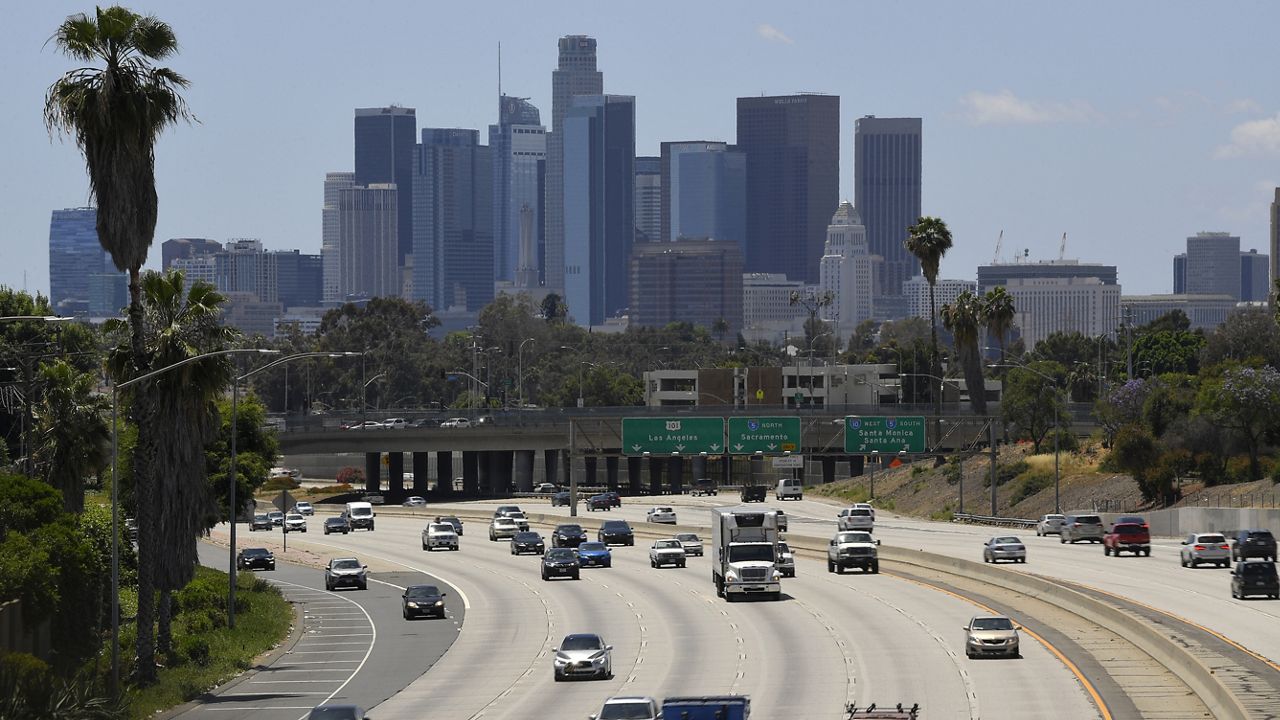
(918, 470)
(1238, 470)
(195, 649)
(203, 593)
(886, 504)
(1031, 483)
(276, 484)
(953, 470)
(25, 669)
(1067, 441)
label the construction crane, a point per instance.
(999, 245)
(1062, 247)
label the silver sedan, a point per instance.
(1004, 547)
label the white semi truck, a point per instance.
(744, 541)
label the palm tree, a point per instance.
(116, 112)
(179, 325)
(929, 239)
(964, 320)
(74, 440)
(720, 327)
(997, 308)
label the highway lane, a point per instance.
(859, 638)
(1200, 595)
(339, 655)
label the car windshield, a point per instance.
(992, 623)
(527, 537)
(632, 710)
(853, 537)
(761, 552)
(450, 520)
(361, 512)
(256, 552)
(1054, 517)
(663, 510)
(1089, 520)
(335, 521)
(582, 642)
(589, 546)
(1211, 539)
(569, 529)
(304, 504)
(687, 537)
(504, 521)
(860, 512)
(1257, 568)
(275, 513)
(1007, 540)
(346, 564)
(1131, 519)
(261, 517)
(562, 554)
(615, 525)
(420, 591)
(663, 544)
(294, 516)
(782, 547)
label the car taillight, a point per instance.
(1200, 547)
(1224, 547)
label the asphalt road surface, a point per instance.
(354, 647)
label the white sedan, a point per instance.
(415, 501)
(661, 514)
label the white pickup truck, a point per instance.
(853, 549)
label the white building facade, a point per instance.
(767, 312)
(916, 288)
(1043, 306)
(845, 271)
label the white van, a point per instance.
(359, 515)
(789, 488)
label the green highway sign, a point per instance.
(664, 436)
(863, 434)
(769, 435)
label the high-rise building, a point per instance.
(197, 268)
(599, 205)
(1179, 273)
(990, 276)
(575, 74)
(792, 144)
(286, 277)
(453, 250)
(299, 278)
(367, 241)
(1043, 306)
(1275, 241)
(704, 191)
(1213, 264)
(83, 279)
(1255, 285)
(886, 181)
(767, 311)
(846, 271)
(384, 143)
(330, 230)
(648, 199)
(697, 281)
(945, 292)
(518, 144)
(1205, 312)
(177, 248)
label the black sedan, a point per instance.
(560, 562)
(568, 536)
(455, 522)
(616, 532)
(420, 600)
(260, 522)
(560, 498)
(256, 559)
(598, 502)
(615, 500)
(336, 525)
(527, 542)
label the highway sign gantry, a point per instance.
(665, 436)
(768, 435)
(867, 434)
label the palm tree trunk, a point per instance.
(935, 367)
(164, 616)
(143, 492)
(971, 359)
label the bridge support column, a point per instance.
(726, 469)
(856, 465)
(676, 463)
(523, 470)
(484, 467)
(444, 473)
(655, 476)
(500, 465)
(635, 474)
(566, 468)
(699, 467)
(611, 472)
(470, 472)
(372, 471)
(755, 475)
(395, 472)
(421, 472)
(551, 466)
(589, 474)
(828, 469)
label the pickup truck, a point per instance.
(1132, 537)
(853, 549)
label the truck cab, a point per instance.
(745, 546)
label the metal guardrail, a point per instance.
(970, 519)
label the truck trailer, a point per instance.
(744, 541)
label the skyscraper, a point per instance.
(698, 281)
(599, 205)
(792, 144)
(846, 271)
(367, 241)
(453, 220)
(1180, 274)
(180, 248)
(648, 199)
(1213, 264)
(704, 192)
(1254, 281)
(886, 181)
(518, 144)
(576, 74)
(384, 140)
(330, 230)
(83, 279)
(1275, 243)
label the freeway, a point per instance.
(833, 639)
(353, 646)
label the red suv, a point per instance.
(1134, 537)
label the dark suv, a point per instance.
(703, 486)
(1255, 578)
(568, 536)
(1253, 544)
(598, 502)
(616, 532)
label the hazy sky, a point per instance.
(1127, 125)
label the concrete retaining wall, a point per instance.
(1180, 522)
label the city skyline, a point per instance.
(1175, 145)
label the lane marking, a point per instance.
(466, 601)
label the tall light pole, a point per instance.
(232, 477)
(520, 369)
(115, 499)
